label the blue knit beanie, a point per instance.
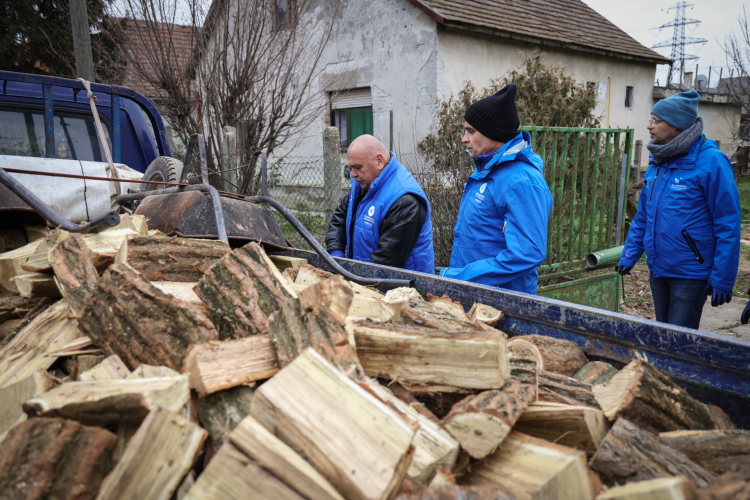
(680, 110)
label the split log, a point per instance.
(283, 262)
(134, 222)
(10, 265)
(486, 314)
(35, 311)
(222, 365)
(164, 258)
(111, 368)
(408, 397)
(717, 451)
(156, 460)
(149, 371)
(83, 363)
(723, 422)
(443, 477)
(579, 427)
(524, 370)
(309, 275)
(434, 448)
(556, 388)
(55, 458)
(34, 233)
(102, 402)
(16, 307)
(551, 354)
(27, 350)
(397, 298)
(14, 395)
(450, 306)
(126, 315)
(371, 449)
(425, 314)
(629, 453)
(184, 292)
(729, 486)
(32, 285)
(7, 328)
(530, 468)
(431, 357)
(481, 422)
(651, 400)
(596, 373)
(453, 492)
(75, 274)
(220, 412)
(10, 239)
(664, 488)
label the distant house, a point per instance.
(392, 59)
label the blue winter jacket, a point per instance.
(501, 233)
(393, 182)
(690, 198)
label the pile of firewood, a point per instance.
(141, 366)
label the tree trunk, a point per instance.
(651, 400)
(717, 451)
(56, 458)
(629, 453)
(128, 316)
(552, 354)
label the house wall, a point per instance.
(720, 123)
(480, 58)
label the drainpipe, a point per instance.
(609, 97)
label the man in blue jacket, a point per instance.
(501, 233)
(688, 219)
(385, 218)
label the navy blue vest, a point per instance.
(392, 183)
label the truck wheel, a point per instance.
(164, 169)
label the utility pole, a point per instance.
(79, 16)
(679, 40)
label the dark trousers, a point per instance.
(678, 301)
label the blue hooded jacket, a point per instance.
(692, 197)
(501, 233)
(392, 183)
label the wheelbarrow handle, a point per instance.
(385, 283)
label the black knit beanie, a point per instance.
(496, 116)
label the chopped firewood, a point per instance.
(723, 422)
(165, 258)
(425, 314)
(443, 477)
(629, 453)
(27, 350)
(453, 492)
(55, 458)
(14, 395)
(283, 262)
(7, 328)
(481, 422)
(75, 346)
(10, 239)
(101, 402)
(16, 307)
(717, 451)
(486, 314)
(407, 397)
(36, 285)
(309, 275)
(221, 365)
(111, 368)
(156, 459)
(596, 372)
(220, 412)
(524, 370)
(663, 488)
(651, 400)
(10, 265)
(448, 305)
(75, 274)
(41, 306)
(530, 468)
(579, 427)
(734, 485)
(396, 298)
(437, 403)
(113, 313)
(434, 447)
(370, 449)
(184, 292)
(468, 360)
(134, 222)
(83, 363)
(551, 354)
(556, 388)
(149, 371)
(34, 233)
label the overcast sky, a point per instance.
(641, 20)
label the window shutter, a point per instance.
(354, 98)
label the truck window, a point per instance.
(22, 134)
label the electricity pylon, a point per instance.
(679, 40)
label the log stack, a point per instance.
(160, 367)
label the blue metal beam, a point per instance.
(117, 153)
(49, 123)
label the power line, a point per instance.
(679, 40)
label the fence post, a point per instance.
(331, 170)
(229, 146)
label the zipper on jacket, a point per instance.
(651, 195)
(692, 246)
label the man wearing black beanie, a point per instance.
(501, 233)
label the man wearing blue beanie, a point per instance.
(688, 219)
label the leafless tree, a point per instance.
(737, 50)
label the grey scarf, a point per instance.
(678, 145)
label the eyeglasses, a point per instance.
(654, 121)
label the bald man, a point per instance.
(385, 218)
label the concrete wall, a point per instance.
(480, 58)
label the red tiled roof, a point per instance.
(564, 23)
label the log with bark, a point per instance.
(371, 449)
(629, 453)
(734, 485)
(156, 460)
(651, 400)
(55, 458)
(14, 395)
(481, 422)
(596, 372)
(551, 354)
(717, 451)
(531, 468)
(75, 274)
(419, 313)
(556, 388)
(165, 258)
(663, 488)
(220, 412)
(16, 307)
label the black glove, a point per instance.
(623, 270)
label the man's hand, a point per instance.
(623, 270)
(336, 253)
(719, 297)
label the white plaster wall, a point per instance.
(480, 58)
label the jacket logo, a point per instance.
(371, 211)
(677, 180)
(482, 187)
